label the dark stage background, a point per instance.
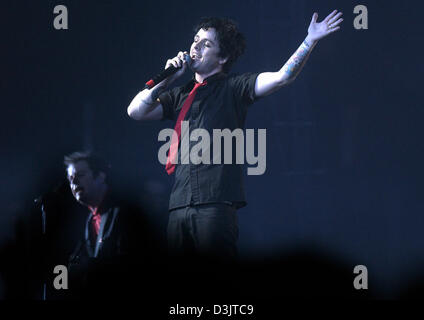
(344, 141)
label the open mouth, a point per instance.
(195, 57)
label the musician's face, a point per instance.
(204, 52)
(84, 185)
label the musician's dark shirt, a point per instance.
(221, 104)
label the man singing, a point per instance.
(205, 197)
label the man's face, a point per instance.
(84, 186)
(204, 52)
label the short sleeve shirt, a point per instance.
(219, 108)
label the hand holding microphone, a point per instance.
(174, 67)
(143, 105)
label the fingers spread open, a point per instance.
(333, 29)
(332, 14)
(337, 16)
(335, 24)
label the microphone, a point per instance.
(59, 190)
(165, 74)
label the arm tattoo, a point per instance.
(306, 44)
(293, 66)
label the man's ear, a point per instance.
(223, 61)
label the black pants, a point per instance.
(204, 230)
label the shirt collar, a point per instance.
(105, 204)
(210, 79)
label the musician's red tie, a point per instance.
(175, 140)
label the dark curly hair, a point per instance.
(231, 41)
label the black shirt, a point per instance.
(221, 104)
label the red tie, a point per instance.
(173, 151)
(96, 221)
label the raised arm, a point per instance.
(269, 82)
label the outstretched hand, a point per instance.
(319, 30)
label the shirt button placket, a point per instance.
(194, 124)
